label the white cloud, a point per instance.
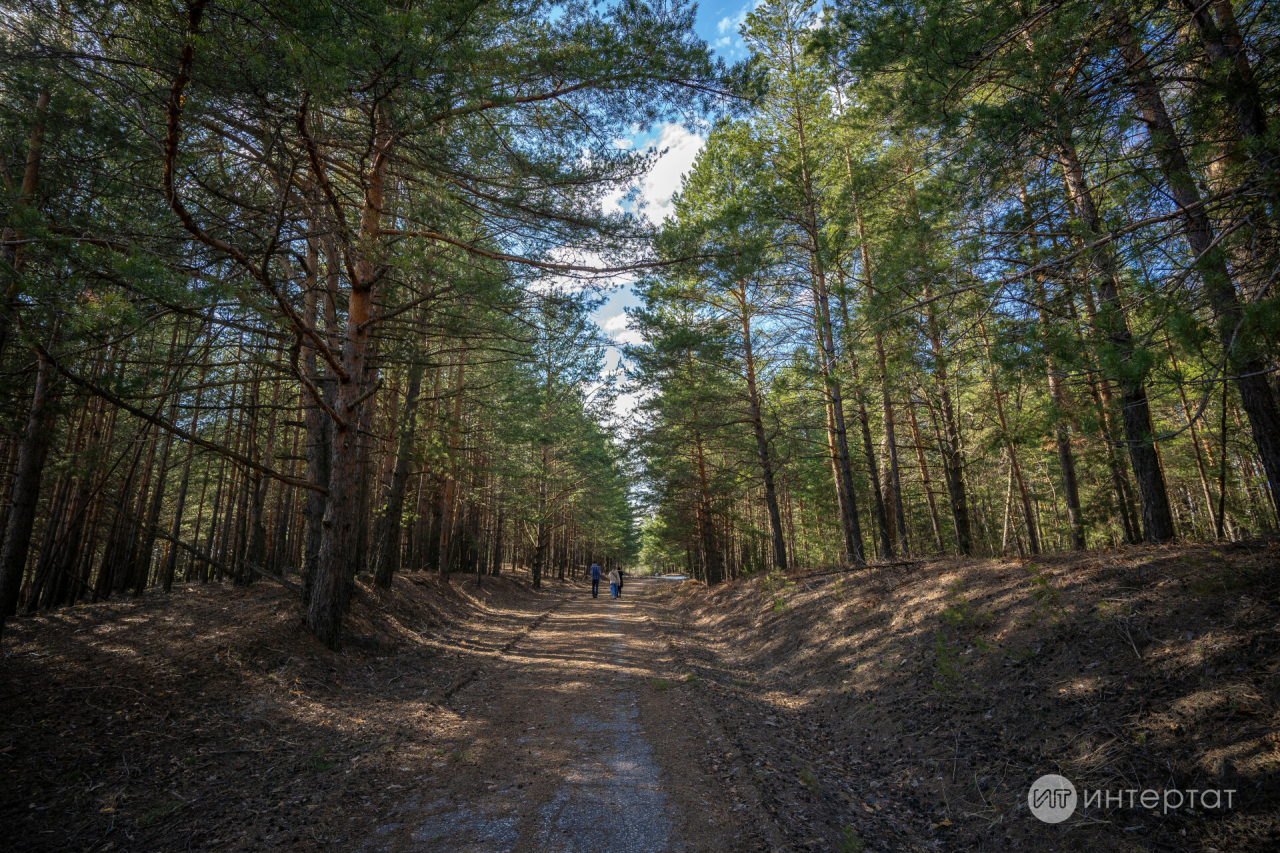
(630, 337)
(612, 200)
(666, 177)
(616, 323)
(617, 328)
(730, 26)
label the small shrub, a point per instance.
(776, 582)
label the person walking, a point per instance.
(622, 580)
(595, 580)
(614, 581)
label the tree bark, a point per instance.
(882, 368)
(11, 241)
(1015, 470)
(1157, 519)
(952, 454)
(25, 494)
(1234, 332)
(388, 538)
(1225, 49)
(934, 521)
(762, 444)
(710, 552)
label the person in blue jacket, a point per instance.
(595, 580)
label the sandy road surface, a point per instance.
(571, 743)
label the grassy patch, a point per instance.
(1046, 596)
(154, 816)
(807, 777)
(738, 682)
(317, 763)
(947, 663)
(1225, 581)
(850, 842)
(961, 613)
(660, 684)
(1105, 611)
(691, 679)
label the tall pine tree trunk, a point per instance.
(1234, 332)
(388, 538)
(952, 453)
(762, 444)
(1157, 519)
(25, 493)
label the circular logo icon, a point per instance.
(1052, 798)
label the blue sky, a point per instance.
(718, 24)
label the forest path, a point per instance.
(573, 743)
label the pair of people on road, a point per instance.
(615, 581)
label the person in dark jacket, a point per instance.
(595, 580)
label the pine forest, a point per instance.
(969, 311)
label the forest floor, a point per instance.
(903, 708)
(915, 703)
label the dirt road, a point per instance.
(576, 741)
